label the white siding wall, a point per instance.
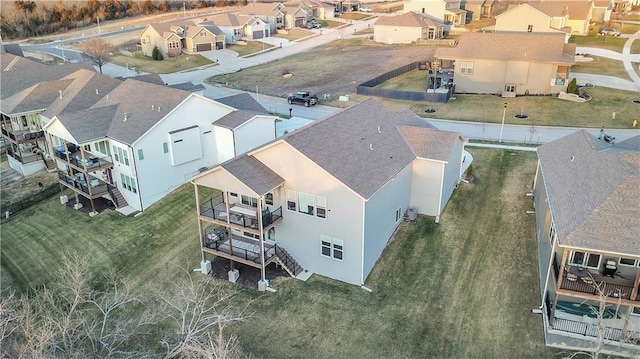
(380, 216)
(425, 186)
(434, 8)
(133, 199)
(223, 137)
(396, 34)
(300, 233)
(452, 173)
(519, 18)
(156, 175)
(253, 133)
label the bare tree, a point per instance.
(97, 51)
(198, 312)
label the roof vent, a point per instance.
(60, 93)
(153, 107)
(379, 129)
(97, 92)
(158, 108)
(371, 146)
(572, 158)
(126, 116)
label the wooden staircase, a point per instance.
(50, 164)
(117, 197)
(287, 262)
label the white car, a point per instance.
(365, 9)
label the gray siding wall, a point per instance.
(543, 226)
(380, 216)
(451, 174)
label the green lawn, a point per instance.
(602, 66)
(172, 64)
(414, 80)
(293, 34)
(543, 110)
(250, 48)
(605, 42)
(459, 289)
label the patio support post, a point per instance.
(225, 196)
(197, 190)
(262, 270)
(634, 292)
(565, 254)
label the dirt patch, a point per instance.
(335, 69)
(14, 187)
(249, 276)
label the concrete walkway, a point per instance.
(627, 59)
(503, 147)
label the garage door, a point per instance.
(257, 35)
(203, 47)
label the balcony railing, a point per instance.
(89, 163)
(242, 248)
(593, 284)
(25, 158)
(22, 135)
(94, 188)
(592, 330)
(243, 216)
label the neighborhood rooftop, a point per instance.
(594, 192)
(532, 47)
(408, 19)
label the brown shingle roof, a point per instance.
(233, 119)
(593, 191)
(253, 173)
(37, 97)
(89, 125)
(243, 101)
(263, 9)
(429, 143)
(532, 47)
(577, 10)
(409, 19)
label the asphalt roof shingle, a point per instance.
(243, 101)
(90, 124)
(593, 192)
(253, 173)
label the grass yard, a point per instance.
(602, 66)
(543, 111)
(250, 48)
(414, 80)
(605, 42)
(459, 289)
(293, 34)
(354, 16)
(169, 65)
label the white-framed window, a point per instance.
(292, 200)
(530, 28)
(321, 207)
(103, 147)
(552, 233)
(128, 183)
(121, 155)
(629, 262)
(305, 203)
(635, 311)
(583, 259)
(331, 247)
(398, 214)
(466, 67)
(268, 199)
(510, 88)
(249, 201)
(232, 194)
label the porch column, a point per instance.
(634, 292)
(262, 270)
(197, 190)
(565, 254)
(225, 196)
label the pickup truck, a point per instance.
(302, 97)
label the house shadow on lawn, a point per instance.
(100, 204)
(249, 276)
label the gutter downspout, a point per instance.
(135, 170)
(440, 197)
(362, 254)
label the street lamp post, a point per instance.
(184, 9)
(63, 58)
(98, 19)
(256, 91)
(126, 61)
(504, 114)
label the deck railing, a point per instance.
(89, 163)
(24, 135)
(592, 330)
(94, 187)
(609, 289)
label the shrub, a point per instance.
(573, 86)
(470, 171)
(155, 53)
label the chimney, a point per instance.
(126, 116)
(60, 93)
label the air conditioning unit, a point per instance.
(64, 199)
(412, 214)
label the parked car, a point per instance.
(365, 9)
(313, 25)
(609, 31)
(302, 98)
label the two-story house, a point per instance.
(587, 207)
(237, 28)
(116, 148)
(552, 16)
(327, 198)
(445, 11)
(510, 64)
(173, 38)
(407, 28)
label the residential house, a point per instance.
(25, 114)
(407, 28)
(446, 11)
(343, 6)
(237, 28)
(622, 7)
(571, 17)
(477, 9)
(586, 198)
(270, 13)
(510, 64)
(327, 197)
(173, 38)
(602, 10)
(116, 148)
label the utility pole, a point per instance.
(184, 9)
(98, 19)
(504, 114)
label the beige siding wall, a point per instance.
(433, 8)
(207, 38)
(396, 34)
(579, 27)
(519, 19)
(300, 233)
(150, 39)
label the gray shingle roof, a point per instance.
(89, 125)
(593, 192)
(37, 97)
(188, 86)
(233, 119)
(245, 102)
(532, 47)
(137, 99)
(19, 73)
(253, 173)
(429, 143)
(360, 146)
